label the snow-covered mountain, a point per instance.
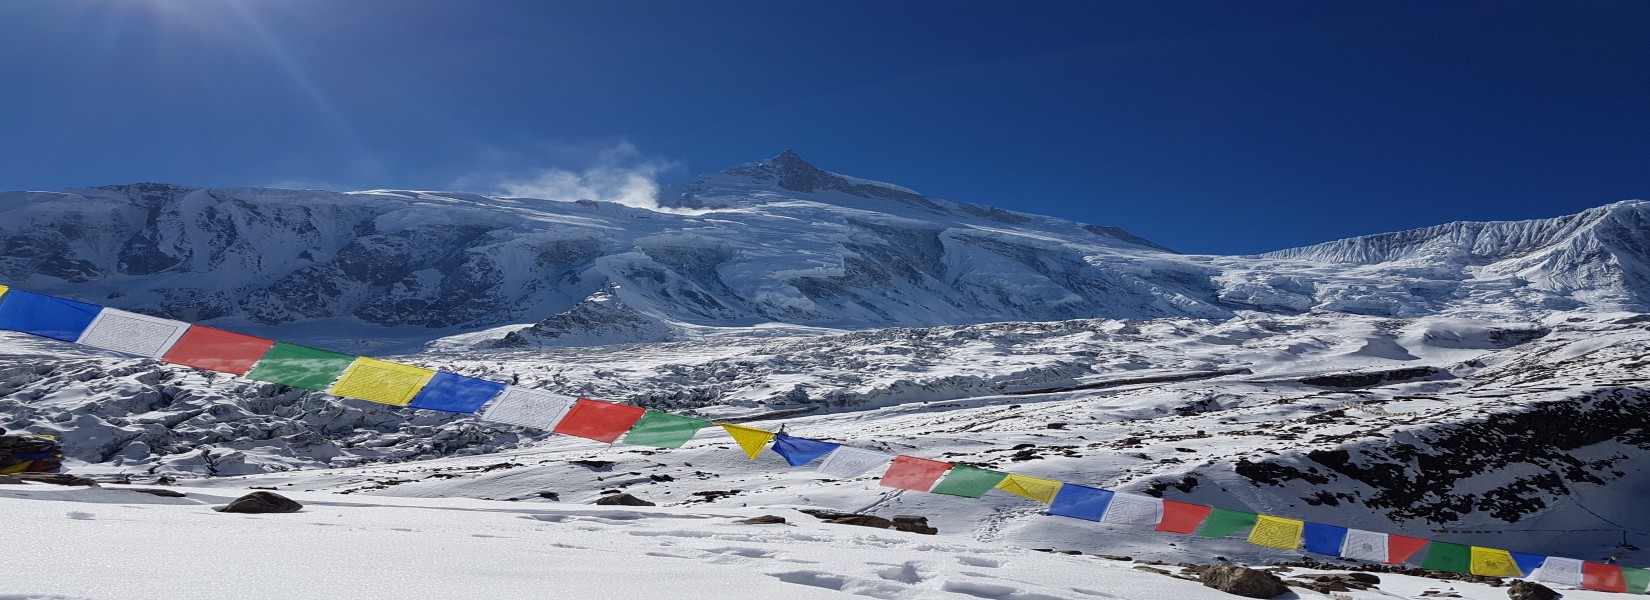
(778, 241)
(1471, 382)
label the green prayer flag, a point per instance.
(664, 430)
(968, 482)
(1444, 556)
(1637, 579)
(1222, 522)
(301, 366)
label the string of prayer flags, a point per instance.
(218, 350)
(912, 473)
(455, 393)
(848, 462)
(1323, 539)
(1277, 532)
(132, 333)
(1602, 577)
(528, 407)
(1128, 508)
(381, 381)
(1222, 522)
(1637, 579)
(1493, 562)
(800, 451)
(750, 439)
(1452, 558)
(664, 430)
(1032, 488)
(301, 366)
(600, 421)
(46, 316)
(1563, 571)
(1182, 517)
(969, 482)
(1081, 502)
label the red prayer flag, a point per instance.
(912, 473)
(1602, 577)
(218, 350)
(1400, 547)
(600, 421)
(1182, 517)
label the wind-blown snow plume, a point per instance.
(618, 173)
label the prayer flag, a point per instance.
(1492, 562)
(3, 291)
(912, 473)
(1636, 579)
(46, 316)
(1401, 547)
(381, 381)
(800, 451)
(969, 482)
(1323, 539)
(750, 439)
(455, 393)
(1444, 556)
(132, 333)
(847, 462)
(1081, 502)
(1277, 532)
(1222, 522)
(1182, 517)
(1033, 488)
(664, 430)
(1565, 571)
(301, 366)
(218, 350)
(527, 407)
(1365, 545)
(1528, 563)
(1602, 577)
(600, 421)
(1133, 509)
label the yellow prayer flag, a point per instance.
(1490, 562)
(1035, 488)
(3, 291)
(751, 439)
(1275, 532)
(381, 381)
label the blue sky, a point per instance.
(1210, 127)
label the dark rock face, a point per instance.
(261, 502)
(1529, 590)
(914, 524)
(763, 520)
(9, 480)
(622, 500)
(862, 521)
(1243, 581)
(56, 478)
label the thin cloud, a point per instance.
(614, 172)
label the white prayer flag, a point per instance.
(1133, 509)
(132, 333)
(1364, 545)
(532, 408)
(1565, 571)
(846, 462)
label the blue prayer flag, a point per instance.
(1528, 563)
(46, 316)
(455, 393)
(800, 451)
(1323, 539)
(1080, 502)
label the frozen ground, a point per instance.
(112, 543)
